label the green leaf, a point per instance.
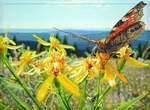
(22, 84)
(125, 106)
(121, 64)
(11, 84)
(102, 96)
(22, 104)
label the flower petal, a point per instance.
(135, 62)
(16, 63)
(122, 51)
(73, 69)
(43, 89)
(118, 74)
(13, 47)
(11, 41)
(112, 83)
(41, 41)
(80, 76)
(66, 47)
(37, 55)
(20, 69)
(108, 76)
(69, 85)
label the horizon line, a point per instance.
(26, 30)
(60, 28)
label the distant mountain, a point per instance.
(48, 30)
(26, 35)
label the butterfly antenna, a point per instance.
(82, 37)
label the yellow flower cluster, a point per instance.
(4, 45)
(91, 67)
(55, 64)
(26, 58)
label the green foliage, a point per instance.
(88, 50)
(65, 40)
(102, 97)
(18, 101)
(128, 104)
(39, 48)
(142, 51)
(58, 36)
(77, 51)
(14, 38)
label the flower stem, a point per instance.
(6, 62)
(64, 101)
(102, 96)
(98, 90)
(63, 98)
(82, 99)
(120, 68)
(85, 88)
(23, 105)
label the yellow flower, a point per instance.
(103, 58)
(108, 69)
(55, 69)
(54, 43)
(40, 64)
(125, 53)
(56, 56)
(109, 74)
(69, 85)
(86, 68)
(43, 89)
(26, 58)
(93, 66)
(4, 45)
(109, 77)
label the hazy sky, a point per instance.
(75, 14)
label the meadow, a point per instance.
(57, 76)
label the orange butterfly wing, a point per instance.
(133, 16)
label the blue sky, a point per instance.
(74, 14)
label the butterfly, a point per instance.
(124, 31)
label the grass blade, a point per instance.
(102, 96)
(22, 105)
(130, 103)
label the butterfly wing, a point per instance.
(133, 16)
(124, 37)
